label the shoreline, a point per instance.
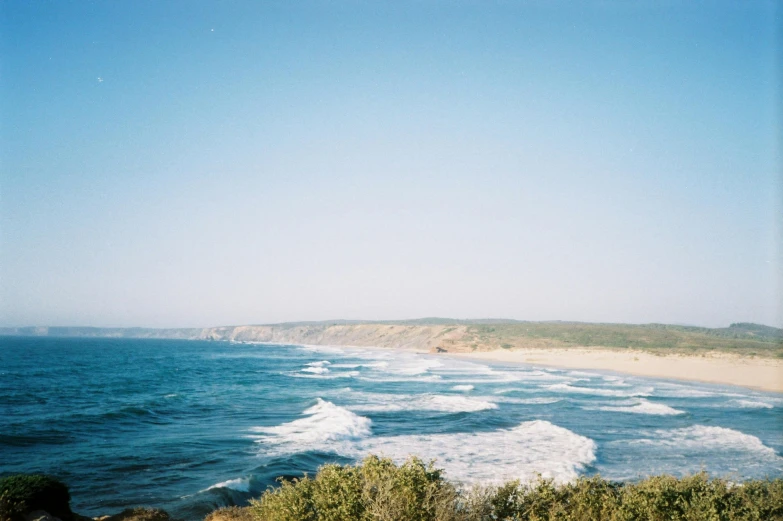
(762, 374)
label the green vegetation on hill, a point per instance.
(742, 339)
(379, 490)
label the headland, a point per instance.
(743, 354)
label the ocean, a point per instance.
(189, 425)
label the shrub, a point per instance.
(376, 490)
(10, 509)
(379, 490)
(25, 493)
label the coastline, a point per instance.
(757, 373)
(763, 374)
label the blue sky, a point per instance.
(207, 163)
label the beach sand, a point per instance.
(756, 373)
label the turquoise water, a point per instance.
(188, 426)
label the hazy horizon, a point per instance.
(424, 320)
(195, 164)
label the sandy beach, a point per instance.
(756, 373)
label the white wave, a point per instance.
(616, 381)
(323, 423)
(673, 390)
(462, 388)
(751, 404)
(323, 349)
(703, 438)
(412, 366)
(463, 366)
(240, 484)
(496, 378)
(397, 362)
(376, 365)
(522, 452)
(583, 373)
(345, 366)
(466, 373)
(447, 403)
(375, 402)
(543, 375)
(491, 457)
(642, 406)
(322, 375)
(315, 370)
(526, 401)
(684, 392)
(568, 388)
(320, 364)
(385, 379)
(469, 372)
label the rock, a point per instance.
(230, 514)
(40, 515)
(139, 514)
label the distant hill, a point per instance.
(445, 334)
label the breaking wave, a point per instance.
(703, 438)
(374, 402)
(490, 457)
(323, 423)
(641, 406)
(239, 484)
(597, 391)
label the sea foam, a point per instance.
(323, 423)
(597, 391)
(378, 402)
(707, 438)
(641, 406)
(531, 448)
(491, 457)
(751, 404)
(239, 484)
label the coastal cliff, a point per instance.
(446, 335)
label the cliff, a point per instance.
(463, 336)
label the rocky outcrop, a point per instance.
(138, 514)
(231, 514)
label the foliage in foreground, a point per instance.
(24, 493)
(379, 490)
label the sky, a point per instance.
(193, 163)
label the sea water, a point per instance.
(189, 426)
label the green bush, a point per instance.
(379, 490)
(376, 490)
(25, 493)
